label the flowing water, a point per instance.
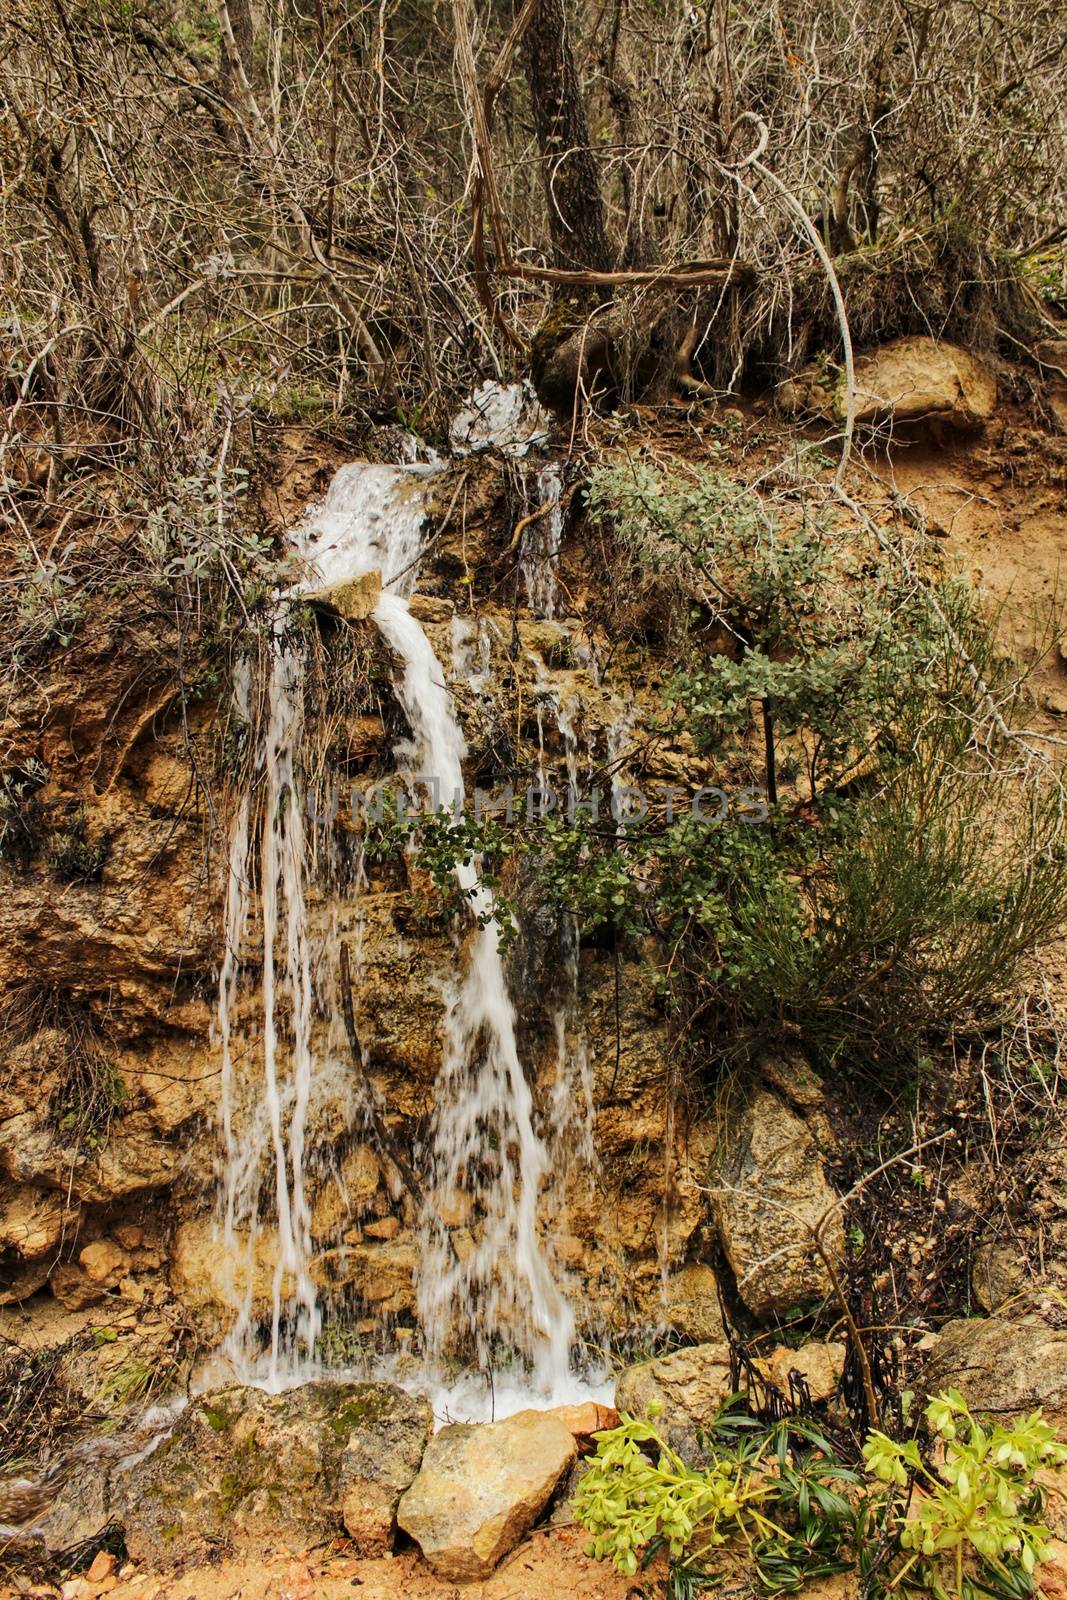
(486, 1159)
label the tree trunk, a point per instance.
(572, 192)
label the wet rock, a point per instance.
(501, 417)
(353, 599)
(248, 1471)
(770, 1191)
(481, 1487)
(1001, 1366)
(689, 1387)
(919, 379)
(76, 1515)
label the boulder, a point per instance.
(919, 379)
(480, 1488)
(378, 1464)
(248, 1471)
(1001, 1366)
(909, 380)
(689, 1386)
(771, 1190)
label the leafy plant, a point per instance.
(779, 1488)
(72, 856)
(20, 810)
(979, 1502)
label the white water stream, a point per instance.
(486, 1157)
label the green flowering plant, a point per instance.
(638, 1496)
(979, 1500)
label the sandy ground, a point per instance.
(549, 1565)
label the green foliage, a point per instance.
(778, 1487)
(802, 1514)
(91, 1094)
(20, 811)
(979, 1502)
(72, 856)
(866, 911)
(440, 842)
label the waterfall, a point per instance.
(541, 542)
(502, 1295)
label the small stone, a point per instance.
(386, 1228)
(481, 1487)
(585, 1420)
(74, 1589)
(130, 1235)
(105, 1262)
(819, 1367)
(131, 1290)
(73, 1288)
(103, 1566)
(1055, 703)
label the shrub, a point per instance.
(912, 853)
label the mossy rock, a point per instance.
(246, 1471)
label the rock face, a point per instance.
(481, 1487)
(248, 1471)
(769, 1192)
(690, 1387)
(1001, 1366)
(693, 1304)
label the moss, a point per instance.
(217, 1418)
(372, 1407)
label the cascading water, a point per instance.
(541, 542)
(486, 1156)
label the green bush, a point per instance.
(912, 853)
